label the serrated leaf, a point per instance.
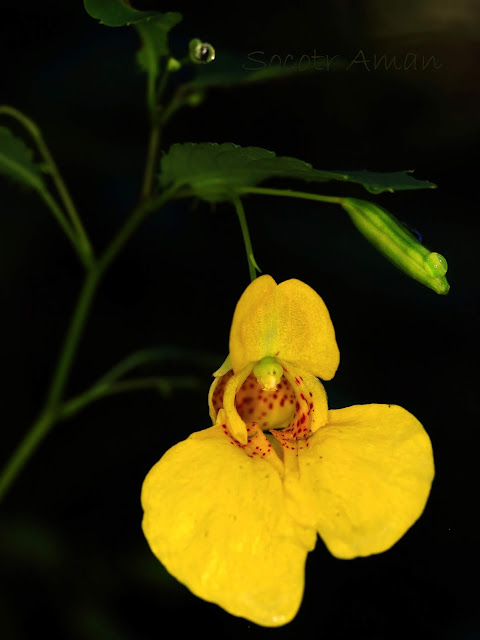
(379, 182)
(215, 171)
(116, 13)
(16, 160)
(154, 35)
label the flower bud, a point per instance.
(397, 244)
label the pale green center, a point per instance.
(268, 373)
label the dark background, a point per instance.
(73, 560)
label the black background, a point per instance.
(73, 560)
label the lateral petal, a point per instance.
(363, 480)
(216, 519)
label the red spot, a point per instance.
(297, 380)
(270, 406)
(303, 418)
(303, 397)
(297, 407)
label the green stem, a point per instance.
(52, 168)
(252, 264)
(48, 417)
(163, 82)
(51, 412)
(132, 223)
(71, 341)
(152, 154)
(48, 199)
(22, 453)
(159, 383)
(154, 96)
(289, 193)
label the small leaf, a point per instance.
(215, 171)
(154, 35)
(116, 13)
(16, 160)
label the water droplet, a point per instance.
(436, 264)
(203, 53)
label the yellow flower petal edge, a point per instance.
(364, 479)
(289, 321)
(216, 519)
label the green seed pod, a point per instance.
(200, 52)
(397, 244)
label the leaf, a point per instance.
(16, 160)
(230, 70)
(215, 171)
(379, 182)
(154, 35)
(153, 28)
(116, 13)
(227, 71)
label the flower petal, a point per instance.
(236, 425)
(216, 519)
(311, 409)
(288, 320)
(363, 480)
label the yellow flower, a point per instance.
(233, 510)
